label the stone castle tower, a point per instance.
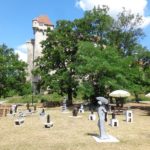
(34, 49)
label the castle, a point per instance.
(34, 49)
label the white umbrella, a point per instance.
(147, 95)
(102, 99)
(119, 93)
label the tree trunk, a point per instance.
(69, 100)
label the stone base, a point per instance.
(81, 110)
(48, 125)
(108, 140)
(19, 121)
(129, 116)
(129, 119)
(92, 117)
(114, 122)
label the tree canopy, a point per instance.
(95, 54)
(12, 72)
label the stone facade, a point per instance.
(34, 49)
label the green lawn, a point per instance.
(75, 133)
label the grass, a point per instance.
(36, 98)
(75, 133)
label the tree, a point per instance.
(126, 32)
(94, 26)
(96, 50)
(13, 73)
(143, 63)
(101, 71)
(59, 50)
(56, 67)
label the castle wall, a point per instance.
(30, 56)
(34, 46)
(39, 37)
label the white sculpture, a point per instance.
(81, 109)
(102, 116)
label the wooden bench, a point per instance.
(4, 109)
(3, 112)
(119, 110)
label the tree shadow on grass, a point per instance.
(143, 108)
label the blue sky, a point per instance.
(16, 16)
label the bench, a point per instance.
(119, 110)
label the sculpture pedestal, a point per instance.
(81, 110)
(114, 122)
(92, 117)
(19, 121)
(48, 125)
(129, 116)
(107, 140)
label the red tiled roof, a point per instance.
(43, 19)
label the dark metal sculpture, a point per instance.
(75, 111)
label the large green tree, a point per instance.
(12, 72)
(125, 32)
(101, 71)
(56, 67)
(96, 50)
(94, 26)
(122, 35)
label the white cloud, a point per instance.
(146, 21)
(135, 6)
(22, 52)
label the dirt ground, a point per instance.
(70, 133)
